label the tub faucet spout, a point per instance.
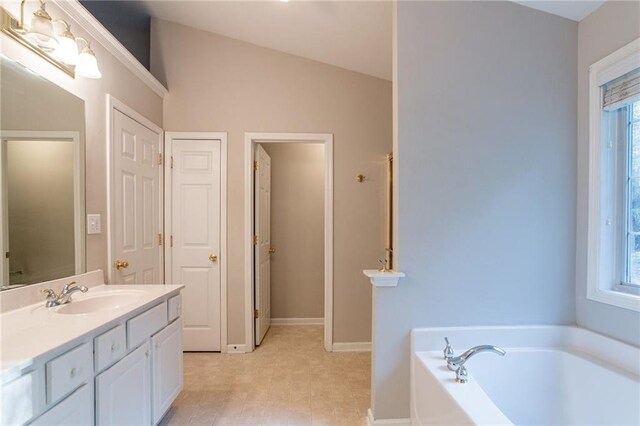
(458, 361)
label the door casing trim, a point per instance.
(250, 139)
(168, 183)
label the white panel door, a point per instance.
(262, 256)
(123, 392)
(166, 377)
(136, 222)
(195, 228)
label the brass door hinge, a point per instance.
(7, 255)
(171, 162)
(256, 314)
(159, 239)
(170, 240)
(255, 165)
(159, 159)
(255, 240)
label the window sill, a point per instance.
(615, 298)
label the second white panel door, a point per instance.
(196, 190)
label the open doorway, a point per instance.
(288, 213)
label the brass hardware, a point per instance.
(272, 250)
(361, 178)
(389, 249)
(159, 159)
(383, 265)
(7, 255)
(171, 162)
(121, 264)
(15, 30)
(171, 241)
(256, 314)
(256, 165)
(159, 239)
(255, 240)
(213, 257)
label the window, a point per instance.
(613, 261)
(632, 205)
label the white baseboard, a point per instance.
(351, 346)
(237, 349)
(297, 321)
(398, 422)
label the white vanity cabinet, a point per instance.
(123, 392)
(167, 378)
(127, 371)
(75, 410)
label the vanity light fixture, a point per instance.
(67, 50)
(40, 32)
(87, 65)
(61, 49)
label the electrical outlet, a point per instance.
(93, 224)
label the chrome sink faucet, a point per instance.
(65, 295)
(456, 363)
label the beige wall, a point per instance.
(116, 80)
(297, 229)
(612, 26)
(221, 84)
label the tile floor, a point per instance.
(288, 380)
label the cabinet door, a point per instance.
(123, 392)
(75, 410)
(167, 368)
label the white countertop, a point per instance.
(29, 333)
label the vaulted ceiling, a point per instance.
(356, 35)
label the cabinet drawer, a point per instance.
(68, 372)
(175, 307)
(75, 410)
(110, 347)
(144, 325)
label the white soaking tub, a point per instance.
(551, 375)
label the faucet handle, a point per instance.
(462, 375)
(67, 287)
(51, 295)
(448, 350)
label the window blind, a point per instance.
(621, 91)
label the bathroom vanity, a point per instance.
(112, 355)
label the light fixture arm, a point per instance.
(21, 23)
(87, 42)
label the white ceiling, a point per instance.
(351, 35)
(355, 35)
(575, 10)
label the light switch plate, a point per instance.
(93, 224)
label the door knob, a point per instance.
(271, 250)
(213, 257)
(122, 264)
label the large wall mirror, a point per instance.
(42, 137)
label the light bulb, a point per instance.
(87, 64)
(41, 30)
(67, 50)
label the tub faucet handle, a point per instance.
(462, 375)
(447, 351)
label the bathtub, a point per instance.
(551, 375)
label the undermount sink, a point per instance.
(99, 302)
